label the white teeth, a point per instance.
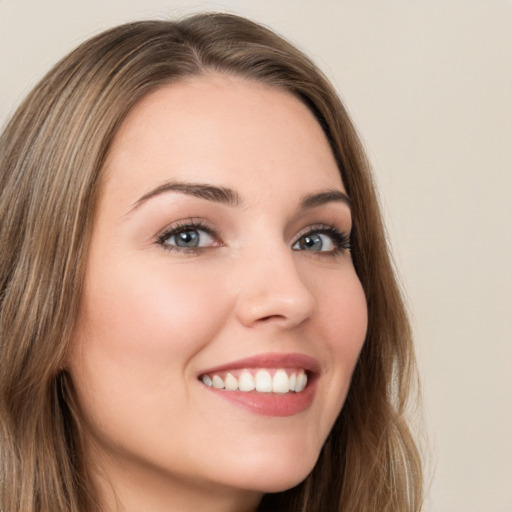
(280, 382)
(302, 380)
(246, 382)
(293, 381)
(230, 382)
(263, 381)
(218, 383)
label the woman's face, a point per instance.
(219, 259)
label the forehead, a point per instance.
(222, 130)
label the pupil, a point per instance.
(312, 242)
(187, 239)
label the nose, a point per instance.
(272, 290)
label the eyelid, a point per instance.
(341, 238)
(190, 224)
(319, 227)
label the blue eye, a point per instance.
(324, 239)
(187, 238)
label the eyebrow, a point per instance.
(209, 192)
(329, 196)
(230, 197)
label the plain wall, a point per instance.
(429, 85)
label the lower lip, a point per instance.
(270, 404)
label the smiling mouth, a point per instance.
(270, 384)
(263, 380)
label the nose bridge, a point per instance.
(271, 288)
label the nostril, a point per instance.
(270, 317)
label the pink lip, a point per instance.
(270, 360)
(270, 404)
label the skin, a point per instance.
(152, 317)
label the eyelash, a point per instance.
(192, 225)
(340, 239)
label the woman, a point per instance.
(197, 304)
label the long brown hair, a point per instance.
(51, 157)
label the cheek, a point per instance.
(344, 321)
(152, 313)
(344, 317)
(138, 329)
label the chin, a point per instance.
(282, 483)
(276, 474)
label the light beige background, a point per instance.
(429, 84)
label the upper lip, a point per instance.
(269, 360)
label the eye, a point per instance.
(314, 242)
(191, 237)
(323, 239)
